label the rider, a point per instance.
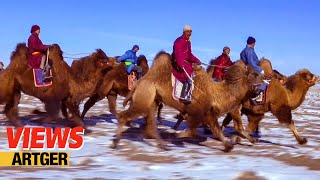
(130, 59)
(37, 51)
(223, 62)
(184, 59)
(250, 58)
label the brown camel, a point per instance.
(280, 101)
(115, 82)
(269, 73)
(210, 99)
(65, 83)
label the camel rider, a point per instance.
(183, 59)
(1, 66)
(37, 51)
(250, 58)
(223, 62)
(130, 59)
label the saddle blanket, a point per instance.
(181, 91)
(38, 78)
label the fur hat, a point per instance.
(187, 28)
(34, 28)
(251, 40)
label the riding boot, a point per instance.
(185, 89)
(47, 73)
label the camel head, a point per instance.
(102, 61)
(307, 77)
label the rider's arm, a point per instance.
(253, 61)
(124, 57)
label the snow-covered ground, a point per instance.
(276, 156)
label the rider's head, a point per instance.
(135, 48)
(251, 41)
(35, 29)
(187, 31)
(226, 50)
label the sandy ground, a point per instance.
(277, 155)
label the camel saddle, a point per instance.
(38, 77)
(181, 91)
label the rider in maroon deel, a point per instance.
(36, 48)
(222, 63)
(183, 55)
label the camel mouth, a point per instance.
(314, 80)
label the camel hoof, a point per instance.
(235, 140)
(115, 143)
(163, 147)
(228, 146)
(17, 124)
(87, 131)
(303, 141)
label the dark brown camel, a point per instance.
(280, 101)
(210, 100)
(114, 83)
(65, 84)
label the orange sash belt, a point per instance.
(36, 53)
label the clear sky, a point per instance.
(287, 31)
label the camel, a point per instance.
(115, 82)
(280, 101)
(210, 99)
(66, 87)
(269, 74)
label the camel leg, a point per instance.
(159, 113)
(112, 101)
(216, 130)
(151, 126)
(52, 108)
(236, 116)
(64, 111)
(123, 118)
(227, 120)
(91, 102)
(192, 124)
(284, 116)
(11, 110)
(253, 122)
(180, 119)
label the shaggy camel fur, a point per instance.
(280, 101)
(210, 100)
(19, 77)
(114, 83)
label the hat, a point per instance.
(187, 28)
(34, 28)
(135, 46)
(251, 40)
(226, 47)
